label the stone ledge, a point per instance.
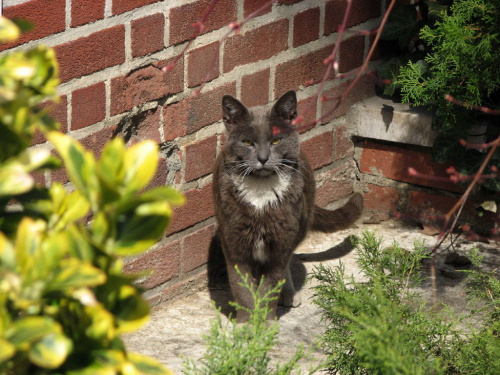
(384, 119)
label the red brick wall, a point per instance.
(111, 53)
(390, 190)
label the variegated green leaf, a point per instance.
(7, 350)
(14, 180)
(148, 365)
(102, 325)
(80, 165)
(51, 351)
(140, 163)
(31, 328)
(8, 30)
(132, 311)
(166, 193)
(75, 274)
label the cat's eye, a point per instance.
(247, 143)
(275, 141)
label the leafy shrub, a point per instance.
(400, 39)
(462, 61)
(64, 301)
(381, 327)
(244, 348)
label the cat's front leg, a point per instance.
(241, 295)
(289, 296)
(271, 280)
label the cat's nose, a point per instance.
(262, 155)
(262, 159)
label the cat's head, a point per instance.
(261, 140)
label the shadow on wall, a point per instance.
(218, 282)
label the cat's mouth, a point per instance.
(262, 171)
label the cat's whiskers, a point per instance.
(241, 171)
(240, 165)
(282, 164)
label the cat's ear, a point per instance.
(286, 107)
(233, 112)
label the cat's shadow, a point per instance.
(218, 282)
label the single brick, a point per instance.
(255, 45)
(393, 162)
(334, 185)
(383, 199)
(47, 17)
(122, 6)
(147, 34)
(306, 26)
(251, 6)
(164, 262)
(92, 53)
(255, 88)
(59, 112)
(307, 110)
(296, 73)
(195, 248)
(86, 11)
(319, 149)
(194, 113)
(200, 158)
(430, 205)
(199, 206)
(143, 85)
(58, 175)
(175, 119)
(88, 106)
(39, 178)
(361, 11)
(160, 177)
(148, 123)
(352, 53)
(182, 18)
(95, 142)
(334, 15)
(202, 67)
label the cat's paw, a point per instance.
(290, 299)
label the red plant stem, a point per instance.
(198, 28)
(477, 177)
(330, 62)
(453, 178)
(361, 70)
(338, 76)
(446, 230)
(483, 109)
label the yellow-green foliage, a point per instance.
(64, 301)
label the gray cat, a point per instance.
(264, 198)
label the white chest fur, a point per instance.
(260, 192)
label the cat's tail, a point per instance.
(341, 218)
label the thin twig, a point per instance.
(199, 26)
(332, 60)
(234, 27)
(483, 109)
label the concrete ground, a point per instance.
(176, 328)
